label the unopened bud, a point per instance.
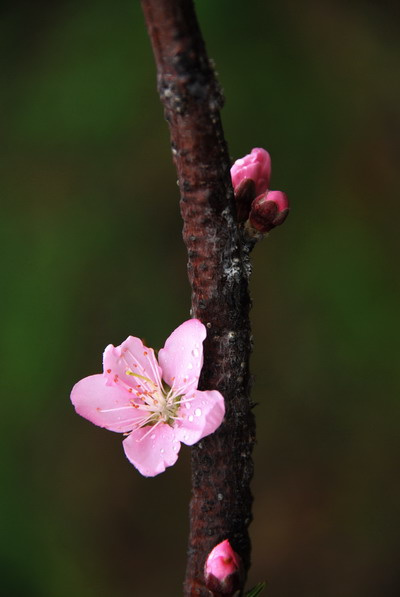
(223, 569)
(268, 210)
(256, 166)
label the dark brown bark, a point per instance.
(218, 271)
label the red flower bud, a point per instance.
(268, 210)
(256, 166)
(223, 569)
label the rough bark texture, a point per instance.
(218, 271)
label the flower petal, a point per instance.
(104, 405)
(181, 359)
(136, 358)
(151, 450)
(200, 417)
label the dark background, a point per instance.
(91, 251)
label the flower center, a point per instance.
(160, 402)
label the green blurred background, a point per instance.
(91, 251)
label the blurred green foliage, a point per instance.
(91, 251)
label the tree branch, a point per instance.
(218, 271)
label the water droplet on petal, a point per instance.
(195, 352)
(197, 412)
(187, 405)
(191, 418)
(162, 451)
(153, 436)
(190, 366)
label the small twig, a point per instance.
(218, 270)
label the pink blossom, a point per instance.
(223, 568)
(156, 404)
(268, 211)
(255, 166)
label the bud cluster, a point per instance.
(257, 208)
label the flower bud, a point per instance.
(256, 166)
(223, 569)
(268, 210)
